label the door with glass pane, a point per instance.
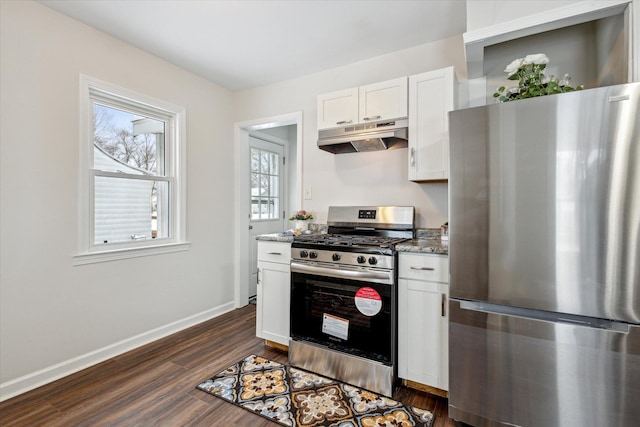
(267, 176)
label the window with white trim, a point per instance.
(131, 173)
(266, 184)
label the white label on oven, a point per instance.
(335, 326)
(368, 301)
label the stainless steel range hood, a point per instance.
(364, 137)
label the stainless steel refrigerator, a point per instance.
(545, 261)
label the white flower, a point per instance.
(538, 58)
(513, 67)
(565, 80)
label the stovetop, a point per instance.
(338, 241)
(361, 229)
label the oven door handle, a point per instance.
(385, 277)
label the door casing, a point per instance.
(241, 187)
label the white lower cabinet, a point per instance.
(423, 319)
(274, 291)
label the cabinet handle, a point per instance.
(370, 118)
(413, 267)
(274, 253)
(413, 156)
(444, 305)
(344, 122)
(258, 277)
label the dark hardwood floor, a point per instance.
(154, 385)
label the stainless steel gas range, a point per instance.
(344, 296)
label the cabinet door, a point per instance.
(431, 97)
(384, 100)
(337, 109)
(273, 299)
(420, 332)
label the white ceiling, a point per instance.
(244, 44)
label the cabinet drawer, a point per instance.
(434, 268)
(274, 252)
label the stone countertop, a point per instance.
(276, 237)
(425, 246)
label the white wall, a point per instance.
(375, 178)
(50, 311)
(484, 13)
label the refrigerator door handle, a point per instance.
(443, 311)
(590, 322)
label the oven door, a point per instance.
(344, 310)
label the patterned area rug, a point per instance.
(293, 397)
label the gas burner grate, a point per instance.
(349, 240)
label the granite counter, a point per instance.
(426, 246)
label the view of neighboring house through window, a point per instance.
(128, 150)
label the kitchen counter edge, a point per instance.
(275, 237)
(425, 246)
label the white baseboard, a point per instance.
(44, 376)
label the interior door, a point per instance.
(267, 193)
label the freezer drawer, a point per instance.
(510, 370)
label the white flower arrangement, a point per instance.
(529, 71)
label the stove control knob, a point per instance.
(361, 259)
(304, 254)
(336, 257)
(313, 255)
(373, 260)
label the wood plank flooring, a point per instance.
(154, 385)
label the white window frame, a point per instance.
(281, 181)
(91, 90)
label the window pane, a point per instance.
(255, 160)
(275, 208)
(265, 202)
(264, 208)
(128, 210)
(264, 162)
(274, 164)
(264, 186)
(127, 142)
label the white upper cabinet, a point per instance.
(338, 108)
(383, 101)
(371, 103)
(431, 96)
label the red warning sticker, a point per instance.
(368, 301)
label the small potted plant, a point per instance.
(300, 220)
(529, 72)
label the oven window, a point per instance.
(345, 315)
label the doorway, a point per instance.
(273, 131)
(268, 181)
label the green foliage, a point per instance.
(532, 82)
